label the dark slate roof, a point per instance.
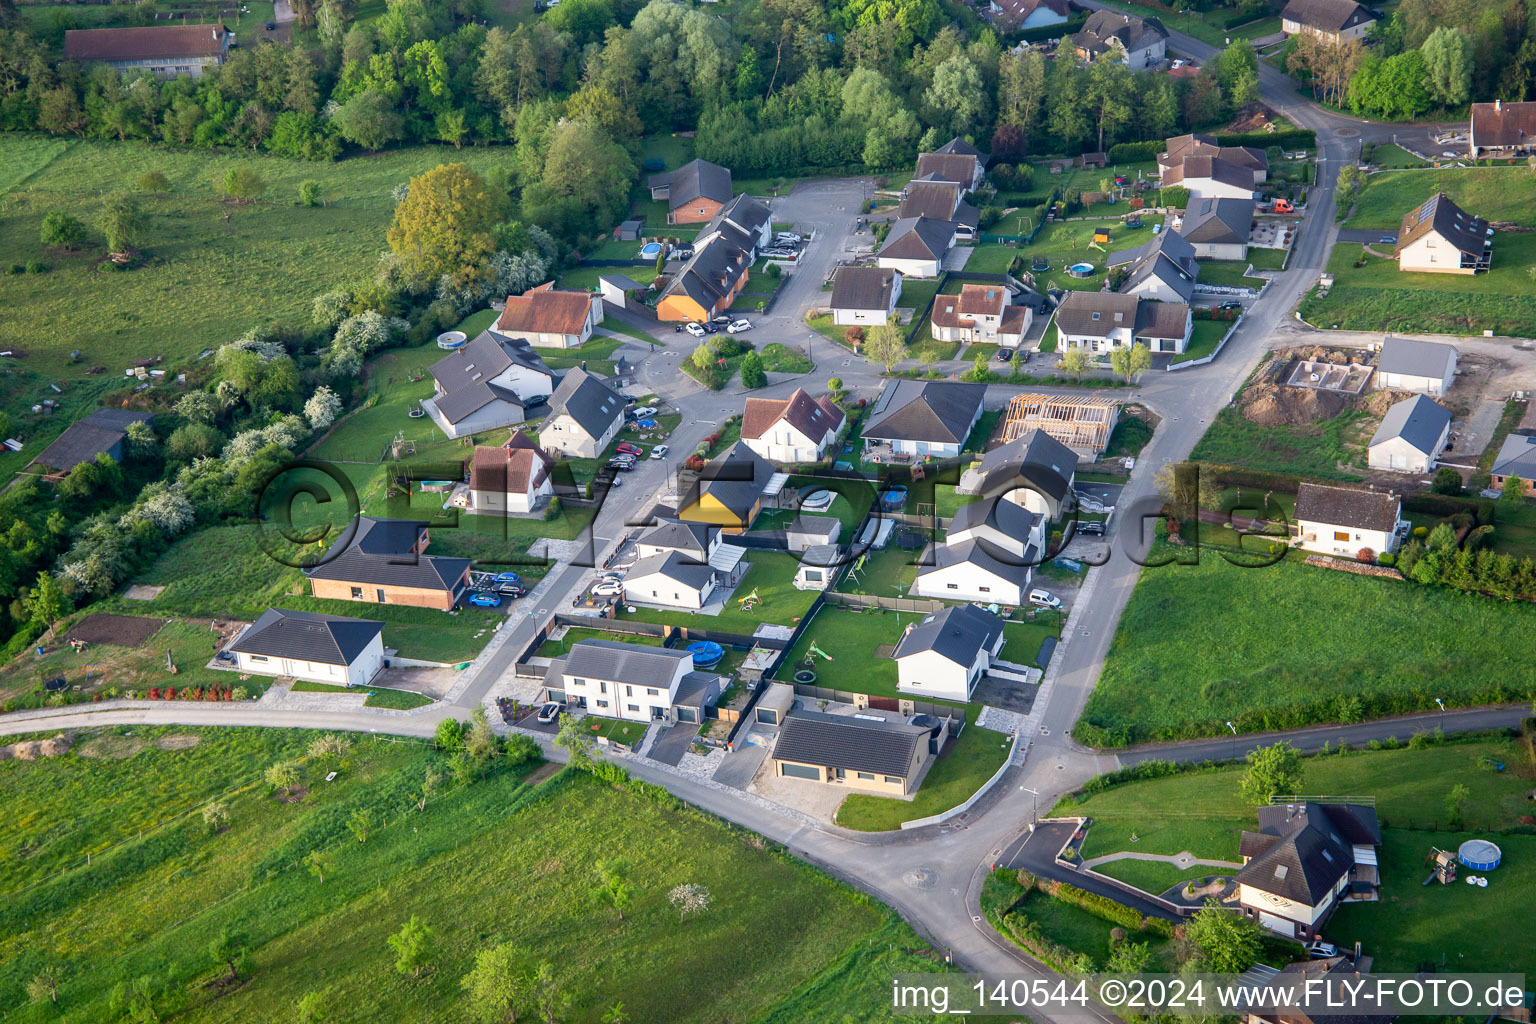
(1440, 215)
(307, 636)
(1007, 517)
(852, 744)
(934, 411)
(1327, 15)
(463, 377)
(813, 417)
(89, 437)
(1162, 320)
(118, 419)
(958, 634)
(674, 566)
(1355, 824)
(696, 689)
(1503, 124)
(1132, 33)
(379, 554)
(918, 238)
(959, 145)
(1312, 849)
(1346, 506)
(863, 288)
(957, 167)
(1178, 280)
(719, 260)
(1517, 457)
(1415, 358)
(636, 664)
(679, 536)
(1168, 243)
(1036, 456)
(1420, 420)
(745, 214)
(984, 556)
(695, 179)
(375, 536)
(735, 478)
(1221, 221)
(1076, 314)
(591, 403)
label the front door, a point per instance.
(839, 774)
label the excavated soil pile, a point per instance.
(1271, 405)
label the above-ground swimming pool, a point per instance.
(451, 340)
(1479, 855)
(650, 250)
(1081, 270)
(893, 498)
(705, 653)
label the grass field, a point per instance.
(1229, 273)
(576, 634)
(772, 576)
(1204, 337)
(779, 358)
(1203, 812)
(483, 864)
(1379, 297)
(1315, 451)
(1200, 645)
(1493, 193)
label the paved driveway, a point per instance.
(673, 743)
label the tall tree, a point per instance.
(1109, 93)
(1447, 57)
(123, 222)
(1228, 943)
(499, 985)
(1272, 770)
(444, 225)
(886, 346)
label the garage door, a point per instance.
(1278, 925)
(799, 771)
(768, 716)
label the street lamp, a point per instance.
(1442, 714)
(1034, 815)
(1234, 740)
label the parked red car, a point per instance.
(629, 449)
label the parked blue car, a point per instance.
(481, 600)
(508, 577)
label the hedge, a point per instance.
(1093, 903)
(1035, 35)
(1446, 505)
(1239, 476)
(1288, 138)
(1153, 769)
(1134, 152)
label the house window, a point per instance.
(357, 592)
(633, 707)
(651, 691)
(258, 657)
(985, 590)
(895, 779)
(629, 691)
(602, 703)
(578, 682)
(1340, 535)
(868, 776)
(602, 687)
(952, 586)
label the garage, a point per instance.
(1278, 925)
(799, 771)
(688, 715)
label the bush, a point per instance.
(774, 270)
(154, 182)
(1481, 509)
(1366, 555)
(552, 511)
(1386, 558)
(1238, 476)
(36, 267)
(1447, 481)
(16, 268)
(1134, 152)
(309, 193)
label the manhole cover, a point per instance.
(1346, 133)
(1061, 767)
(921, 878)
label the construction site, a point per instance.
(1082, 424)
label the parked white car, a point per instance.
(697, 330)
(644, 411)
(737, 326)
(1044, 599)
(659, 452)
(607, 590)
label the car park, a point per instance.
(622, 465)
(1044, 599)
(550, 712)
(695, 329)
(721, 319)
(628, 448)
(480, 599)
(660, 451)
(737, 326)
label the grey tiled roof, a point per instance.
(463, 377)
(1312, 849)
(1007, 517)
(89, 437)
(852, 744)
(692, 538)
(591, 403)
(1415, 358)
(673, 566)
(918, 238)
(735, 478)
(863, 288)
(636, 664)
(1037, 457)
(1420, 420)
(984, 556)
(1219, 221)
(1346, 506)
(1327, 15)
(1517, 457)
(379, 554)
(307, 636)
(693, 180)
(934, 411)
(958, 633)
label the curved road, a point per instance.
(932, 876)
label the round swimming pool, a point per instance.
(451, 340)
(650, 250)
(1081, 270)
(706, 653)
(816, 501)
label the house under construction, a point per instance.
(1082, 424)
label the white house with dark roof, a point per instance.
(696, 541)
(1103, 321)
(875, 752)
(1411, 436)
(924, 418)
(957, 161)
(1034, 470)
(1502, 128)
(1306, 859)
(487, 384)
(945, 655)
(1218, 229)
(974, 570)
(1333, 21)
(670, 580)
(791, 430)
(585, 415)
(1005, 525)
(1163, 268)
(864, 296)
(319, 648)
(916, 246)
(981, 313)
(512, 477)
(1135, 42)
(635, 682)
(747, 219)
(1439, 237)
(1345, 520)
(939, 199)
(1408, 364)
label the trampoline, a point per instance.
(451, 340)
(650, 250)
(1479, 855)
(1080, 270)
(706, 653)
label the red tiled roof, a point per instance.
(144, 43)
(516, 467)
(543, 310)
(811, 416)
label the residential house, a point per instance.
(694, 192)
(1306, 859)
(1034, 470)
(977, 570)
(1516, 459)
(981, 313)
(1411, 436)
(731, 490)
(1346, 520)
(1323, 991)
(882, 754)
(585, 415)
(1333, 21)
(513, 477)
(384, 561)
(633, 682)
(1210, 177)
(916, 246)
(945, 655)
(1177, 148)
(865, 296)
(103, 432)
(669, 580)
(621, 290)
(164, 50)
(1440, 238)
(1162, 268)
(487, 384)
(318, 648)
(695, 541)
(1135, 42)
(1103, 321)
(1218, 229)
(708, 282)
(1005, 524)
(957, 161)
(1017, 15)
(547, 318)
(806, 532)
(1407, 364)
(794, 429)
(1503, 129)
(940, 200)
(924, 418)
(747, 219)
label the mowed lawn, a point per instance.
(207, 282)
(491, 862)
(771, 576)
(1493, 193)
(1203, 812)
(1290, 644)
